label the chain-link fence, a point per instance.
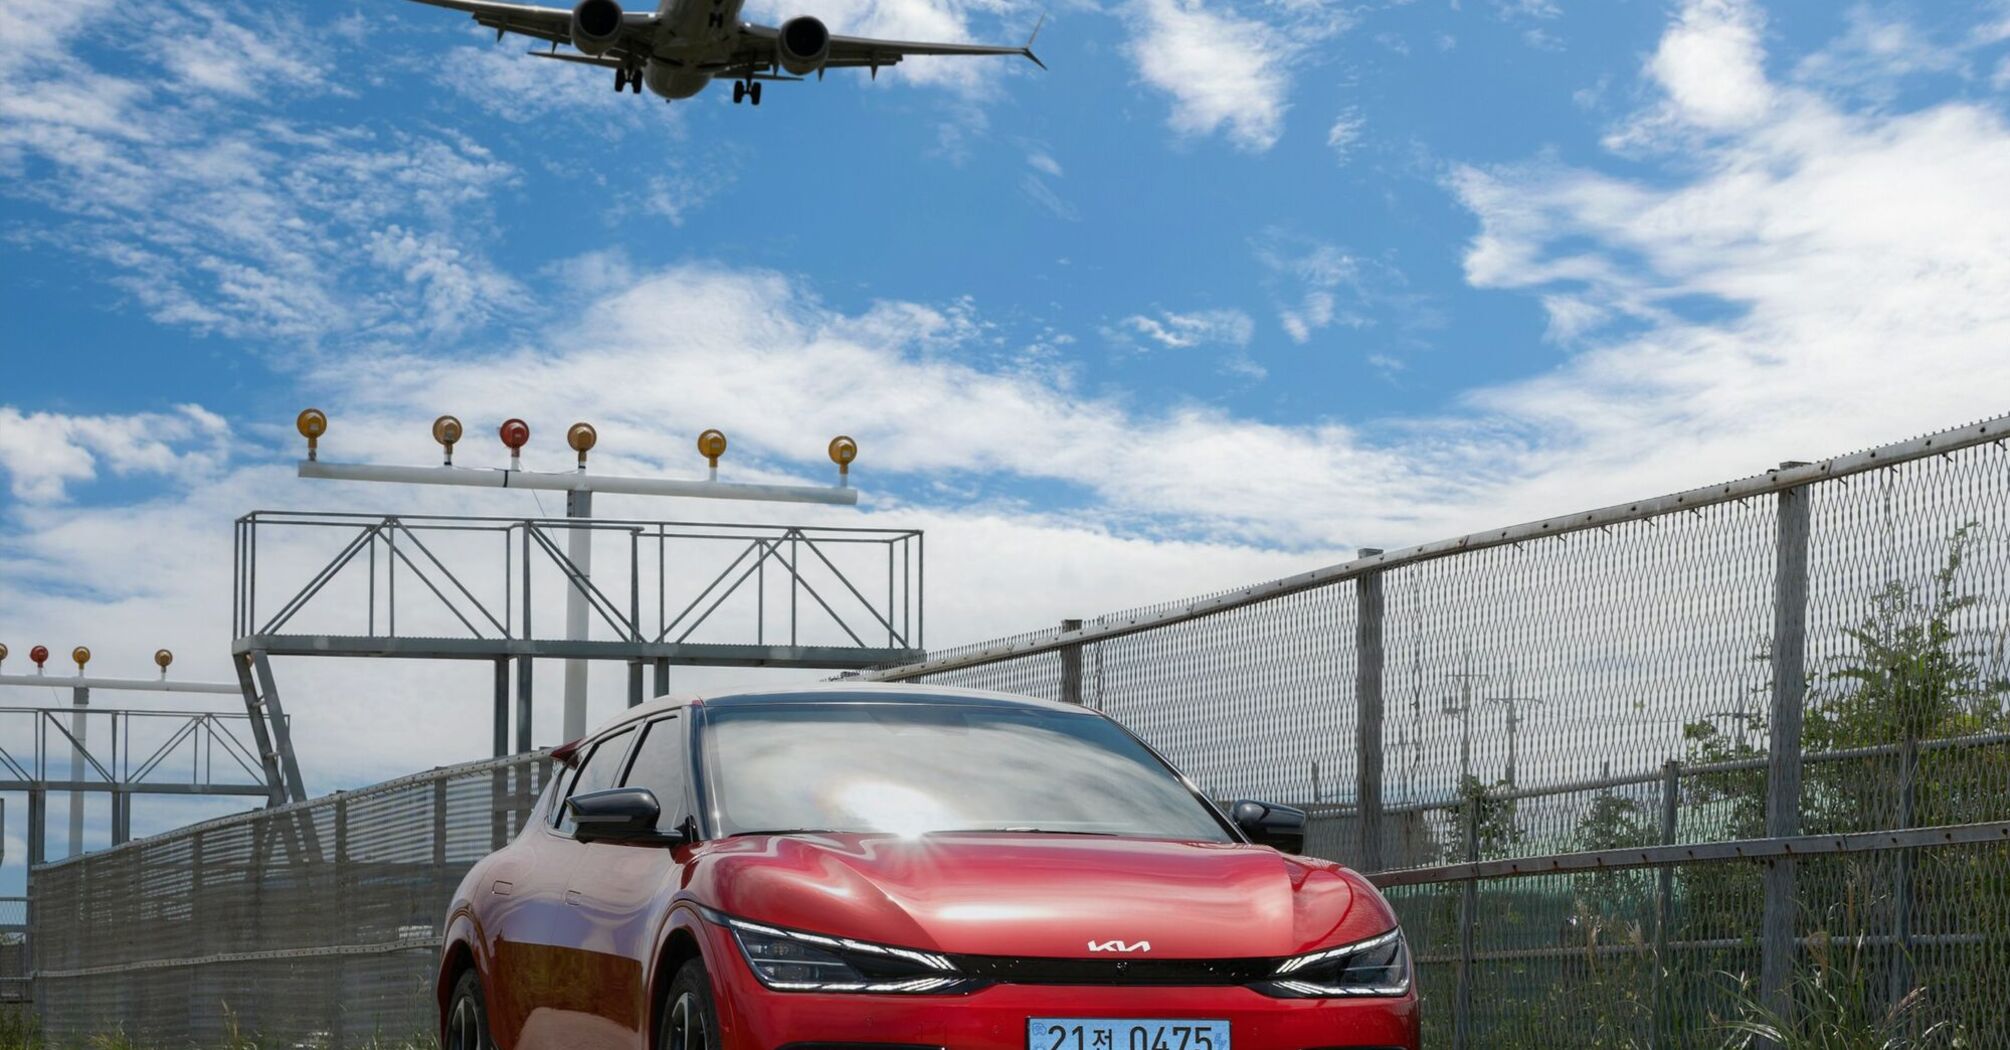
(1638, 775)
(1630, 777)
(316, 924)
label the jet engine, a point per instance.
(596, 25)
(804, 44)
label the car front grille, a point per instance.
(1143, 972)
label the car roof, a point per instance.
(819, 693)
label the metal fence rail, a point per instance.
(311, 924)
(1817, 652)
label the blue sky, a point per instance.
(1226, 291)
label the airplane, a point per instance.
(686, 44)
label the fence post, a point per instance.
(1368, 717)
(342, 922)
(1901, 891)
(1469, 915)
(502, 706)
(1071, 667)
(1664, 900)
(1783, 756)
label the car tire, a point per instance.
(690, 1021)
(467, 1020)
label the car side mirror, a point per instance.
(1269, 824)
(619, 815)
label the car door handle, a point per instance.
(573, 898)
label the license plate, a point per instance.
(1096, 1033)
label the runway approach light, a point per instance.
(81, 654)
(162, 658)
(712, 445)
(843, 451)
(447, 431)
(582, 437)
(312, 424)
(40, 655)
(515, 435)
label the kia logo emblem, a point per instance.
(1120, 946)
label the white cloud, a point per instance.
(1311, 274)
(1345, 133)
(1819, 268)
(215, 212)
(1876, 52)
(1226, 72)
(1710, 65)
(1199, 328)
(42, 453)
(506, 83)
(1039, 192)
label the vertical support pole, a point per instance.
(1469, 917)
(662, 676)
(80, 701)
(340, 918)
(1783, 757)
(1664, 903)
(579, 550)
(1368, 715)
(523, 665)
(201, 929)
(122, 816)
(1071, 667)
(38, 827)
(1901, 890)
(254, 709)
(502, 707)
(440, 828)
(635, 683)
(282, 735)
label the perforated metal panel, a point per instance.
(316, 924)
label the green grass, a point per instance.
(19, 1031)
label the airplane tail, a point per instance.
(1035, 35)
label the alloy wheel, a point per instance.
(687, 1025)
(464, 1027)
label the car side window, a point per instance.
(660, 765)
(600, 771)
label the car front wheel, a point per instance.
(468, 1016)
(689, 1022)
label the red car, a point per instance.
(903, 867)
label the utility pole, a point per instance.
(1744, 716)
(1513, 706)
(1464, 709)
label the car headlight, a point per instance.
(1378, 966)
(799, 961)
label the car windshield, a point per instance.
(916, 768)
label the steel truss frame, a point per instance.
(860, 625)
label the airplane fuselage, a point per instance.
(690, 34)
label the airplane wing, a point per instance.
(868, 52)
(550, 24)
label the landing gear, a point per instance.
(628, 79)
(747, 91)
(754, 92)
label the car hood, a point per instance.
(1046, 896)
